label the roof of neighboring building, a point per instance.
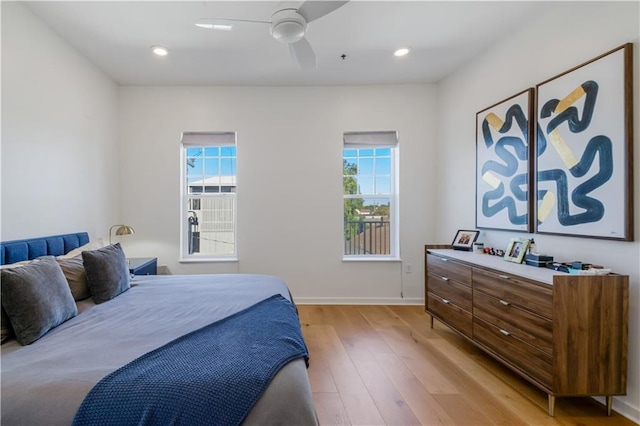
(215, 181)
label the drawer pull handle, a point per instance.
(504, 277)
(505, 303)
(445, 301)
(444, 278)
(505, 332)
(444, 260)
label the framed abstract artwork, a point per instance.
(584, 151)
(504, 136)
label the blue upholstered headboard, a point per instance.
(55, 245)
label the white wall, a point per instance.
(59, 134)
(289, 180)
(543, 49)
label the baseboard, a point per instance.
(623, 408)
(358, 301)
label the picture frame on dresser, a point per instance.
(584, 149)
(516, 249)
(464, 239)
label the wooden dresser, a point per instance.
(566, 334)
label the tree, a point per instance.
(351, 205)
(381, 210)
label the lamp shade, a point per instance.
(121, 230)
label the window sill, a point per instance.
(371, 259)
(209, 260)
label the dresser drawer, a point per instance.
(532, 329)
(533, 362)
(449, 268)
(535, 297)
(453, 291)
(450, 314)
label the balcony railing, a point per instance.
(367, 237)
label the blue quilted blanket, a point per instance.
(212, 376)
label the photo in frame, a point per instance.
(504, 148)
(517, 249)
(584, 150)
(464, 239)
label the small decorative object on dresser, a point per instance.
(143, 265)
(478, 247)
(517, 249)
(464, 240)
(538, 260)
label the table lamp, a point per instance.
(122, 230)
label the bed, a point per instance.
(46, 381)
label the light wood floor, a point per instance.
(376, 365)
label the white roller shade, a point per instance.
(356, 140)
(208, 138)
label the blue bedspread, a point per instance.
(212, 376)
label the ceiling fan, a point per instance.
(287, 25)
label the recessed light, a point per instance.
(402, 51)
(212, 26)
(159, 50)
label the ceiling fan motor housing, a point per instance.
(288, 26)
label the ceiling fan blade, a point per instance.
(312, 10)
(210, 22)
(302, 54)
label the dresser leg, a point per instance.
(609, 404)
(431, 320)
(552, 405)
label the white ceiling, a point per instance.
(444, 35)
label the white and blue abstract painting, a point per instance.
(503, 152)
(582, 146)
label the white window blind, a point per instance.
(208, 138)
(357, 140)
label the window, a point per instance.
(370, 195)
(208, 202)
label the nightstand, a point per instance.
(143, 265)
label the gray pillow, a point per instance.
(5, 327)
(107, 272)
(36, 298)
(73, 270)
(6, 331)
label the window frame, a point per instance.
(377, 140)
(203, 140)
